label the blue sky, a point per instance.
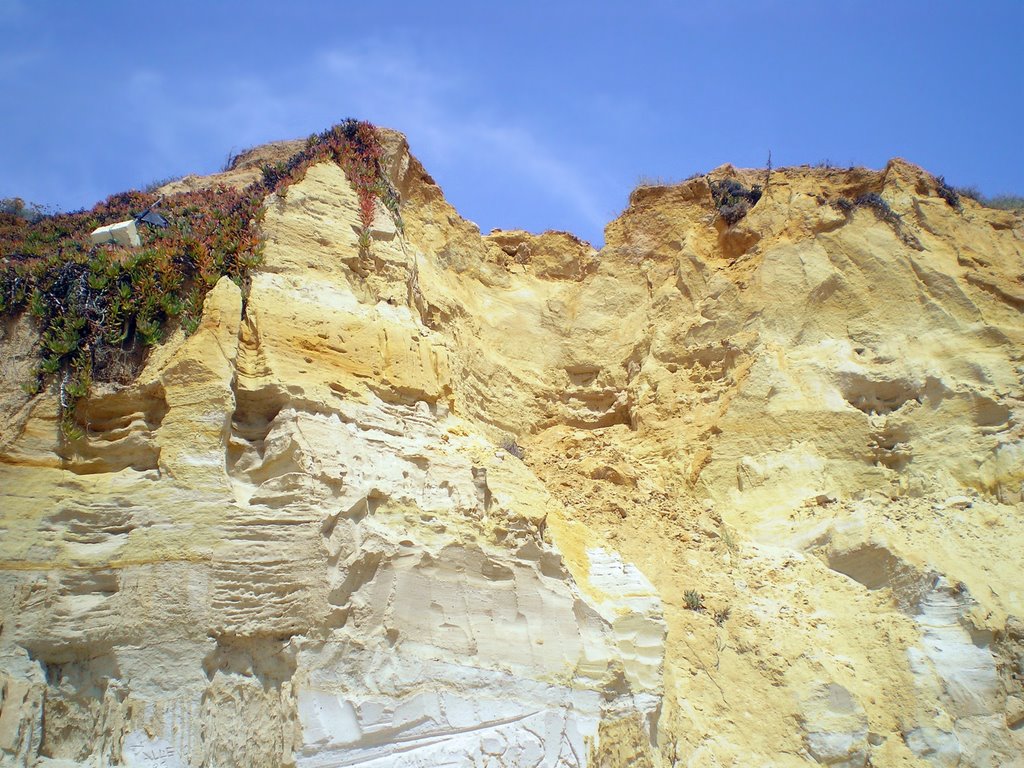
(539, 115)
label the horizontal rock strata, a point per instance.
(724, 492)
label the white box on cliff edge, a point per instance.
(122, 233)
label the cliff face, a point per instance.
(769, 511)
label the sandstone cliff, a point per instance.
(767, 511)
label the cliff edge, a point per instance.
(743, 487)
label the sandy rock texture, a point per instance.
(712, 495)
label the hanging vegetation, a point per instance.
(355, 147)
(101, 308)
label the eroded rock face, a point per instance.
(768, 512)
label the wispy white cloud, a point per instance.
(439, 113)
(525, 155)
(446, 124)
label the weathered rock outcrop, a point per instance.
(769, 512)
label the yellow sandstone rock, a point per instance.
(769, 511)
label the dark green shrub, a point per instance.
(948, 193)
(734, 200)
(882, 211)
(844, 204)
(877, 203)
(1001, 202)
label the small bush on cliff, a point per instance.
(1000, 202)
(878, 204)
(734, 200)
(30, 212)
(871, 200)
(694, 600)
(972, 192)
(643, 180)
(510, 445)
(844, 204)
(100, 308)
(882, 210)
(1006, 202)
(948, 193)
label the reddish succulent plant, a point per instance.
(98, 305)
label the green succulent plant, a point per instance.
(98, 304)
